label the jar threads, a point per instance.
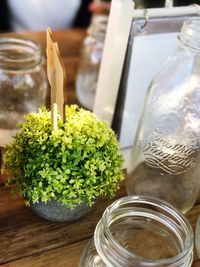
(141, 231)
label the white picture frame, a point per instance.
(144, 36)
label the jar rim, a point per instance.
(190, 33)
(18, 52)
(193, 23)
(157, 203)
(98, 27)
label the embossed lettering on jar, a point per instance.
(165, 159)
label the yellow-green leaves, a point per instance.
(80, 161)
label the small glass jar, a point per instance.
(140, 231)
(90, 59)
(165, 158)
(23, 83)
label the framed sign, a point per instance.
(133, 54)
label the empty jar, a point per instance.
(23, 83)
(138, 231)
(165, 159)
(90, 59)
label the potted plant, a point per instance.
(61, 173)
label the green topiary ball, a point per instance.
(78, 163)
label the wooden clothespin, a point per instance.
(56, 77)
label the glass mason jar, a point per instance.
(165, 160)
(138, 231)
(90, 59)
(23, 83)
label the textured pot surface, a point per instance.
(54, 211)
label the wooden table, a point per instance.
(29, 241)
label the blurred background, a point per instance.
(36, 15)
(26, 87)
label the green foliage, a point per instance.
(79, 162)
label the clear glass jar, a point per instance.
(90, 59)
(165, 160)
(138, 231)
(23, 83)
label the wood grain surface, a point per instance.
(29, 241)
(24, 234)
